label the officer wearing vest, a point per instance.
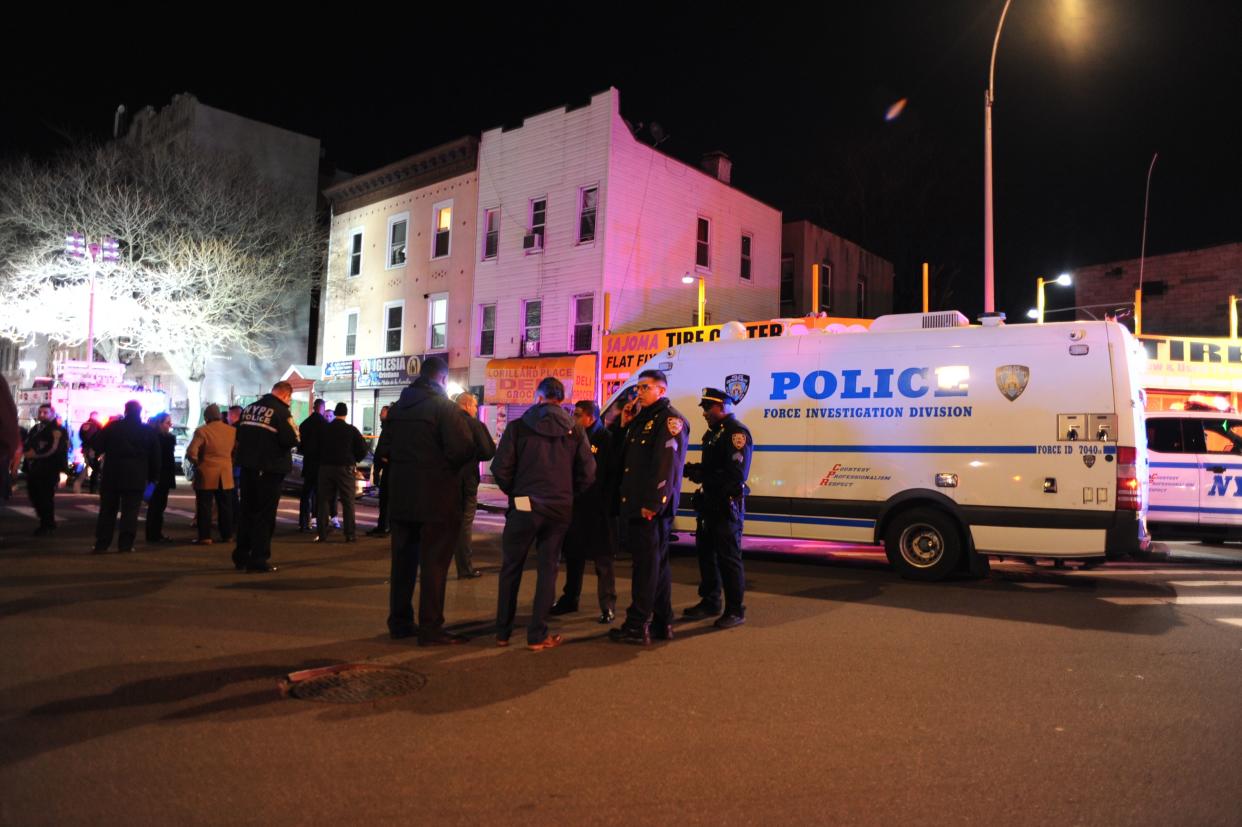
(654, 436)
(721, 507)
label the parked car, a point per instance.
(182, 433)
(293, 480)
(1196, 474)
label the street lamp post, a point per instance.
(689, 279)
(989, 284)
(1037, 313)
(108, 251)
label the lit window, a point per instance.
(444, 227)
(532, 329)
(351, 333)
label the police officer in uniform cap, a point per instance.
(721, 508)
(654, 437)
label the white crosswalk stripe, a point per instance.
(1204, 583)
(1232, 621)
(1176, 600)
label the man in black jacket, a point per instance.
(131, 459)
(44, 452)
(543, 461)
(310, 432)
(341, 448)
(654, 437)
(161, 423)
(426, 443)
(265, 437)
(592, 532)
(485, 449)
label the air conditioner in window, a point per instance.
(530, 348)
(532, 241)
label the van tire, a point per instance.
(923, 544)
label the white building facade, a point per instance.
(399, 277)
(576, 215)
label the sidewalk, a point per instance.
(1189, 551)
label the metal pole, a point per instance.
(989, 281)
(1233, 317)
(90, 324)
(814, 289)
(1039, 299)
(702, 302)
(926, 303)
(1138, 294)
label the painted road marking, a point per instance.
(1205, 583)
(1232, 621)
(1040, 585)
(1178, 600)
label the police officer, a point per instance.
(265, 437)
(720, 504)
(654, 437)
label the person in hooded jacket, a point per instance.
(543, 461)
(131, 459)
(426, 443)
(266, 437)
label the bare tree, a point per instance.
(213, 260)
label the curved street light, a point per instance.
(1037, 312)
(989, 282)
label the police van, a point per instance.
(945, 442)
(1196, 474)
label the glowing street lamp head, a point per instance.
(1064, 280)
(1032, 313)
(687, 279)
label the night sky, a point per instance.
(1086, 92)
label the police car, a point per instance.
(945, 441)
(1196, 474)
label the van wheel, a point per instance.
(923, 544)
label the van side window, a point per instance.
(1223, 436)
(1192, 430)
(1165, 436)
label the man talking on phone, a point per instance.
(654, 440)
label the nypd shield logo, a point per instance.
(737, 385)
(1012, 379)
(1088, 460)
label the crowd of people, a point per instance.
(579, 488)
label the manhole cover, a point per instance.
(351, 683)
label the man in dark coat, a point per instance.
(45, 460)
(311, 431)
(655, 438)
(721, 507)
(485, 449)
(592, 532)
(131, 458)
(161, 423)
(341, 448)
(543, 462)
(86, 439)
(266, 437)
(379, 478)
(426, 443)
(10, 439)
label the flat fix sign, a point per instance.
(1180, 363)
(625, 353)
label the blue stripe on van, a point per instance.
(1190, 509)
(1196, 465)
(902, 449)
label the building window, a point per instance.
(443, 214)
(437, 322)
(862, 297)
(787, 286)
(825, 287)
(394, 313)
(398, 226)
(351, 333)
(532, 323)
(491, 233)
(538, 218)
(586, 214)
(584, 321)
(487, 330)
(702, 246)
(746, 242)
(355, 252)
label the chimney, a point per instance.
(718, 165)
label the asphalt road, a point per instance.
(143, 689)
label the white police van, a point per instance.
(1196, 474)
(944, 441)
